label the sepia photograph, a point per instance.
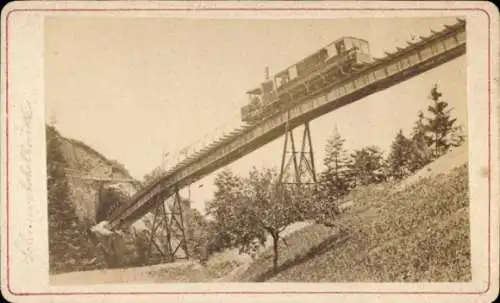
(341, 155)
(267, 148)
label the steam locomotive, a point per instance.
(286, 87)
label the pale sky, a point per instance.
(135, 88)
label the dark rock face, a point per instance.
(110, 197)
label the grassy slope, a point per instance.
(419, 234)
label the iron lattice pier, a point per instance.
(302, 162)
(169, 224)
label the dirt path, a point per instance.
(125, 275)
(182, 271)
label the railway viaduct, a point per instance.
(402, 64)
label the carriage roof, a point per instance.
(346, 37)
(284, 72)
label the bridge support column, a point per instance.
(304, 171)
(178, 218)
(159, 227)
(169, 228)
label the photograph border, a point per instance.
(257, 8)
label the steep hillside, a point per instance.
(75, 172)
(420, 233)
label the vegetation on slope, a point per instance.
(247, 210)
(419, 234)
(69, 248)
(75, 203)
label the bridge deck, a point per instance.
(394, 68)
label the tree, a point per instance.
(198, 234)
(367, 165)
(269, 207)
(458, 136)
(335, 178)
(117, 167)
(248, 208)
(421, 154)
(229, 188)
(400, 156)
(216, 241)
(334, 182)
(441, 133)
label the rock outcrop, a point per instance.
(80, 196)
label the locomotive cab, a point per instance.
(255, 97)
(268, 93)
(262, 95)
(259, 99)
(250, 112)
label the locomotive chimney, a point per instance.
(266, 73)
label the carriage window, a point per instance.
(437, 47)
(413, 59)
(426, 53)
(348, 44)
(370, 77)
(282, 78)
(349, 87)
(403, 63)
(393, 68)
(340, 91)
(323, 54)
(280, 81)
(341, 48)
(360, 82)
(292, 71)
(380, 73)
(331, 50)
(449, 42)
(364, 47)
(356, 44)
